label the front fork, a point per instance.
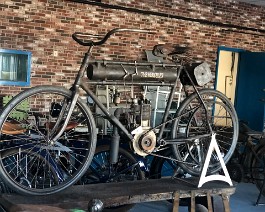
(61, 116)
(74, 97)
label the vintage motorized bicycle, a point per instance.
(47, 153)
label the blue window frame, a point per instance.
(15, 67)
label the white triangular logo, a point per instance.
(203, 178)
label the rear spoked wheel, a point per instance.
(194, 121)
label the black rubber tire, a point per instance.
(192, 122)
(70, 155)
(258, 170)
(250, 157)
(162, 167)
(236, 172)
(100, 164)
(199, 208)
(4, 189)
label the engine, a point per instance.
(137, 119)
(139, 114)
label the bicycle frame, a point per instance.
(79, 82)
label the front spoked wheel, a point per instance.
(29, 125)
(194, 121)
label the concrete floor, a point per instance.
(243, 200)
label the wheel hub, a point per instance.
(144, 143)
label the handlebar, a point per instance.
(76, 36)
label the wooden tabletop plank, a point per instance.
(120, 193)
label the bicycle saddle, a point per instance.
(161, 50)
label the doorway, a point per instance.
(240, 76)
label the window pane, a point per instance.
(13, 67)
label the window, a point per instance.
(15, 67)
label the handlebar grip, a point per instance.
(87, 43)
(119, 30)
(105, 38)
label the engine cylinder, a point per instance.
(129, 72)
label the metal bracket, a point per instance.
(125, 71)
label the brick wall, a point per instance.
(44, 27)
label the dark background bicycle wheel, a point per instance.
(99, 170)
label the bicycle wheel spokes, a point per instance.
(30, 126)
(29, 169)
(217, 114)
(101, 171)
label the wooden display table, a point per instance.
(115, 194)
